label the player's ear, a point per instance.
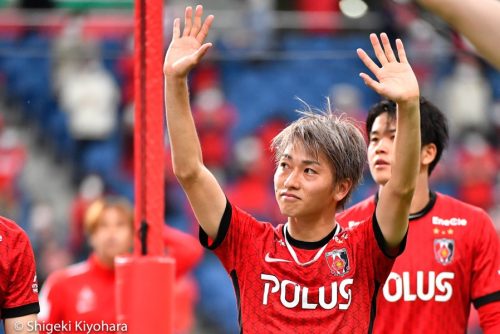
(428, 154)
(342, 188)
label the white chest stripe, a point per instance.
(294, 255)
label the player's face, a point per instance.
(381, 147)
(112, 236)
(303, 184)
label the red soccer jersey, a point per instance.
(451, 259)
(18, 284)
(288, 286)
(84, 292)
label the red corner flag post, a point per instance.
(145, 281)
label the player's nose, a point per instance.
(381, 146)
(292, 180)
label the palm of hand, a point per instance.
(397, 81)
(187, 48)
(180, 55)
(395, 78)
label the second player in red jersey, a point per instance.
(18, 282)
(81, 298)
(305, 276)
(452, 254)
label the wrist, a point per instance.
(175, 79)
(409, 102)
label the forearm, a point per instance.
(476, 19)
(185, 146)
(406, 161)
(395, 198)
(21, 325)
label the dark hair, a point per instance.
(433, 124)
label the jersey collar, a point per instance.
(427, 208)
(321, 244)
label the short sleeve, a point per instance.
(21, 297)
(373, 246)
(486, 264)
(236, 232)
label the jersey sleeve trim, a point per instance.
(388, 252)
(489, 298)
(20, 311)
(221, 233)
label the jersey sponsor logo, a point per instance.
(429, 286)
(292, 295)
(338, 261)
(449, 222)
(444, 250)
(270, 259)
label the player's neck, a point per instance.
(310, 230)
(105, 262)
(421, 196)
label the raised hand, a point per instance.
(186, 50)
(395, 79)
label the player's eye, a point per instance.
(373, 139)
(310, 171)
(283, 165)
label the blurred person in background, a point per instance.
(253, 179)
(452, 255)
(478, 170)
(12, 162)
(68, 50)
(214, 117)
(347, 98)
(86, 291)
(91, 188)
(465, 96)
(47, 239)
(18, 281)
(90, 97)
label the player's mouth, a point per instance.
(287, 196)
(381, 163)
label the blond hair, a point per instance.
(96, 209)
